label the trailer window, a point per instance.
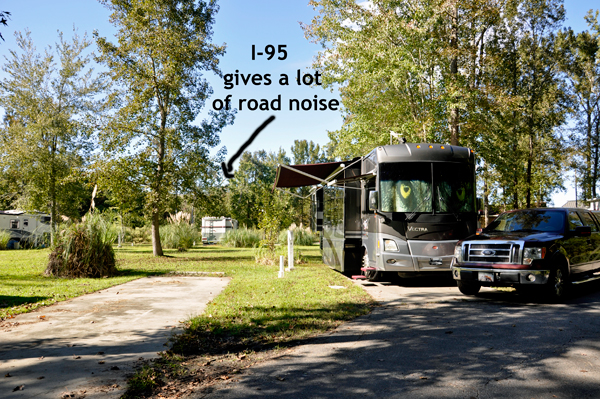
(14, 224)
(405, 187)
(453, 188)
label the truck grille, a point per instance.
(492, 253)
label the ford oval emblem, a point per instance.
(489, 252)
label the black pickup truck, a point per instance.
(549, 248)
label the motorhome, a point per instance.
(401, 208)
(25, 229)
(214, 228)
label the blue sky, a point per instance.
(239, 24)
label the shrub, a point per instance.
(85, 249)
(4, 239)
(241, 238)
(179, 236)
(138, 235)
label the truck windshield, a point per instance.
(453, 188)
(405, 187)
(528, 220)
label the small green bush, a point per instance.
(179, 236)
(4, 239)
(85, 249)
(138, 235)
(241, 238)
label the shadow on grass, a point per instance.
(141, 273)
(266, 328)
(7, 301)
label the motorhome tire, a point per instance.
(468, 288)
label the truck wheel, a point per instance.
(371, 275)
(468, 288)
(558, 284)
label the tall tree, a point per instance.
(413, 67)
(49, 103)
(162, 49)
(579, 61)
(251, 187)
(304, 152)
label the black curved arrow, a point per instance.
(227, 169)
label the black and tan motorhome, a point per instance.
(401, 208)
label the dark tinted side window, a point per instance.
(574, 220)
(588, 220)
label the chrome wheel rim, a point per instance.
(559, 283)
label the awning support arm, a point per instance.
(295, 195)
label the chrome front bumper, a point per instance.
(500, 276)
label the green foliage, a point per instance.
(85, 249)
(138, 235)
(179, 236)
(579, 61)
(162, 49)
(143, 382)
(250, 188)
(4, 239)
(49, 104)
(241, 238)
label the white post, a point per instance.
(281, 266)
(290, 250)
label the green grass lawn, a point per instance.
(257, 311)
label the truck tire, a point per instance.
(468, 288)
(558, 284)
(369, 274)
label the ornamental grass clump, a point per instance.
(179, 233)
(85, 249)
(241, 238)
(4, 239)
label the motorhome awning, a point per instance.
(304, 175)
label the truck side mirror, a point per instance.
(583, 231)
(373, 200)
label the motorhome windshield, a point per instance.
(423, 186)
(405, 187)
(453, 188)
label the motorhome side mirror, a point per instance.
(373, 200)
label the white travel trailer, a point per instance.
(213, 228)
(25, 229)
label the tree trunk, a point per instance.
(596, 155)
(529, 171)
(156, 245)
(454, 117)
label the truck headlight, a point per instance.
(458, 252)
(530, 254)
(390, 246)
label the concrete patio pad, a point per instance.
(86, 346)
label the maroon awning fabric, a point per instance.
(292, 178)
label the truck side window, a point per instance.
(14, 224)
(25, 223)
(574, 220)
(589, 220)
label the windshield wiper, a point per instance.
(412, 214)
(442, 199)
